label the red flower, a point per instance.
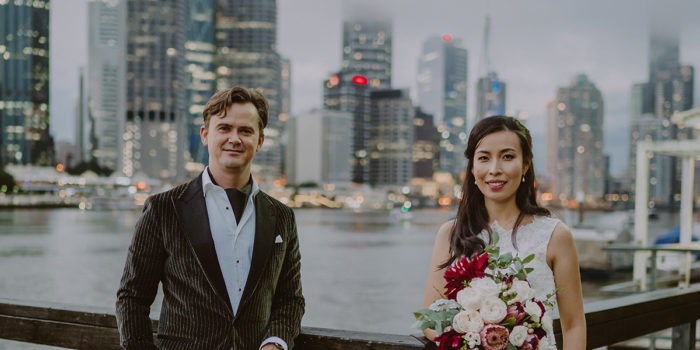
(494, 337)
(530, 342)
(463, 270)
(449, 340)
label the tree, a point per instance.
(7, 181)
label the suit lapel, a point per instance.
(192, 213)
(264, 238)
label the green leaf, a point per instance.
(505, 258)
(518, 265)
(511, 347)
(528, 258)
(529, 269)
(495, 237)
(508, 322)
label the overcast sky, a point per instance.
(536, 46)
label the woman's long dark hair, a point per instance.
(472, 217)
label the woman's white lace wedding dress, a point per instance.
(532, 238)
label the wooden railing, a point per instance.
(608, 322)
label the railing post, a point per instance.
(683, 336)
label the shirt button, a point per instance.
(226, 208)
(239, 289)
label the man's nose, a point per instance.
(233, 137)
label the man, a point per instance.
(226, 253)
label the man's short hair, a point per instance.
(222, 100)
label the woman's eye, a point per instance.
(508, 156)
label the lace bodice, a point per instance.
(532, 238)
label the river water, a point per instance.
(360, 271)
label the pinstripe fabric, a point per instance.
(196, 313)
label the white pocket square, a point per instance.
(278, 239)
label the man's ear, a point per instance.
(260, 142)
(203, 133)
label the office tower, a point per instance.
(199, 74)
(391, 138)
(668, 90)
(245, 36)
(490, 96)
(350, 93)
(24, 83)
(85, 136)
(367, 50)
(426, 149)
(577, 114)
(319, 149)
(154, 136)
(285, 108)
(106, 81)
(442, 92)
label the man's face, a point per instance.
(233, 138)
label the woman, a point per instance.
(499, 195)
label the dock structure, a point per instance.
(687, 151)
(609, 322)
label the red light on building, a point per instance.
(360, 80)
(334, 80)
(447, 37)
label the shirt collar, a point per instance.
(208, 184)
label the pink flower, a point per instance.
(530, 342)
(517, 312)
(494, 337)
(464, 270)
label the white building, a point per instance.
(319, 147)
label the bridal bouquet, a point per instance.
(490, 305)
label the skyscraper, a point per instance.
(577, 116)
(490, 96)
(668, 90)
(24, 83)
(345, 91)
(200, 76)
(426, 149)
(318, 149)
(245, 36)
(154, 136)
(367, 50)
(106, 81)
(442, 92)
(391, 138)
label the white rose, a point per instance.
(518, 335)
(467, 321)
(543, 344)
(486, 287)
(493, 310)
(547, 323)
(469, 298)
(533, 310)
(522, 290)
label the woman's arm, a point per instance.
(436, 281)
(563, 259)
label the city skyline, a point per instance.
(535, 47)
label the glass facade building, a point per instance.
(576, 133)
(154, 136)
(442, 92)
(199, 72)
(24, 83)
(245, 37)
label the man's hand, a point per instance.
(271, 346)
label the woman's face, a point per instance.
(498, 166)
